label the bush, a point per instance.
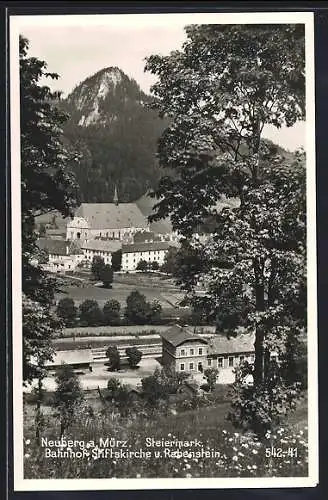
(211, 375)
(117, 392)
(142, 265)
(261, 408)
(155, 312)
(114, 358)
(154, 266)
(67, 311)
(111, 313)
(90, 313)
(68, 396)
(134, 356)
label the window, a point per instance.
(241, 359)
(191, 366)
(200, 351)
(209, 362)
(230, 360)
(191, 352)
(182, 353)
(220, 362)
(182, 367)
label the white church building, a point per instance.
(106, 220)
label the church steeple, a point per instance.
(115, 199)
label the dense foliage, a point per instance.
(117, 141)
(254, 265)
(114, 359)
(68, 397)
(106, 275)
(134, 356)
(67, 311)
(140, 312)
(111, 312)
(47, 184)
(90, 313)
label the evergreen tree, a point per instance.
(117, 260)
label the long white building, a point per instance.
(150, 252)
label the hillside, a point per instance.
(116, 135)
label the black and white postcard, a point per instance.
(164, 301)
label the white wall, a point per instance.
(130, 260)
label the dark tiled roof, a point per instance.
(220, 344)
(111, 216)
(178, 335)
(147, 247)
(102, 245)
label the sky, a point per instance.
(76, 50)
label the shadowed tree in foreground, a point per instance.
(226, 84)
(47, 185)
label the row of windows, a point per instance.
(191, 366)
(231, 362)
(156, 254)
(231, 359)
(98, 252)
(184, 352)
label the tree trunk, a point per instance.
(259, 333)
(38, 410)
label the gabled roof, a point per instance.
(111, 216)
(147, 247)
(178, 335)
(102, 245)
(54, 247)
(71, 357)
(220, 344)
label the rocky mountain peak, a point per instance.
(99, 98)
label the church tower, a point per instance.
(115, 196)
